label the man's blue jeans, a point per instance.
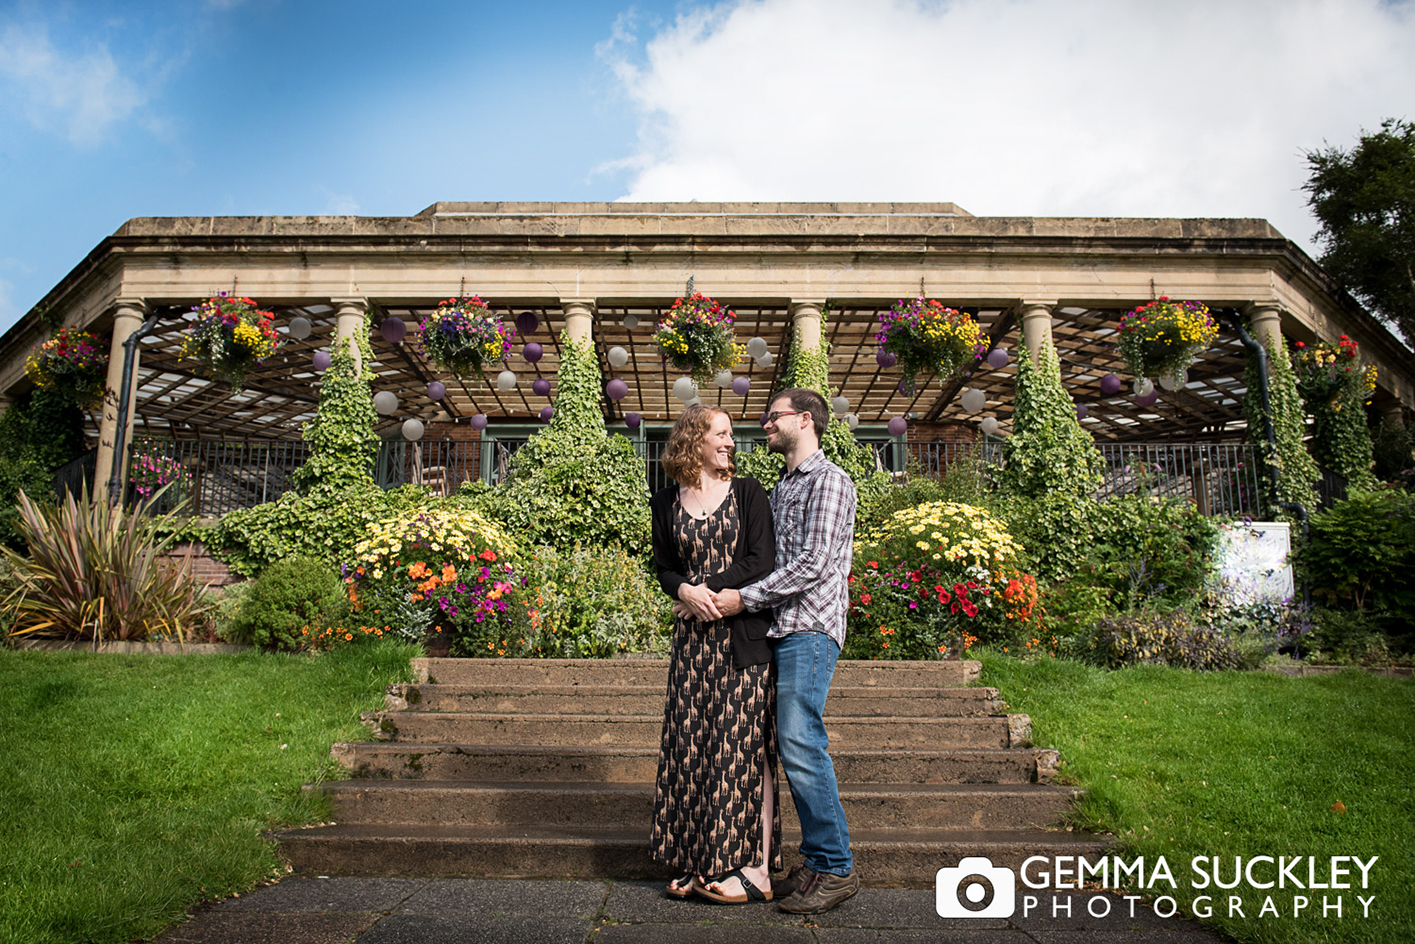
(805, 663)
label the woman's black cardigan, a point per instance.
(755, 557)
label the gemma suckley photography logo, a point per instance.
(1294, 886)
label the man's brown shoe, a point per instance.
(820, 891)
(794, 879)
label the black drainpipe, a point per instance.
(120, 435)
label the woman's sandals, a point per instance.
(681, 887)
(752, 892)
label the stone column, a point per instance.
(1036, 325)
(128, 316)
(350, 314)
(806, 319)
(1265, 319)
(579, 318)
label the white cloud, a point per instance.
(1012, 107)
(9, 313)
(80, 93)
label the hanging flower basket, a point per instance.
(464, 337)
(696, 336)
(73, 364)
(928, 337)
(1162, 338)
(231, 336)
(1328, 372)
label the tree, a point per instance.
(1364, 200)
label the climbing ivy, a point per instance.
(1297, 473)
(342, 440)
(810, 370)
(37, 435)
(1341, 440)
(573, 482)
(1048, 451)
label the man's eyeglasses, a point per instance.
(775, 415)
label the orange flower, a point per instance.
(487, 555)
(449, 573)
(417, 571)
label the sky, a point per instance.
(110, 111)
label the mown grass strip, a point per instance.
(137, 786)
(1185, 764)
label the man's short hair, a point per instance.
(807, 401)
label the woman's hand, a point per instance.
(697, 600)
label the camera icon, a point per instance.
(975, 889)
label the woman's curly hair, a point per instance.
(683, 458)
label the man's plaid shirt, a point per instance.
(813, 509)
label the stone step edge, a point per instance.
(637, 788)
(968, 668)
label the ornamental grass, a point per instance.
(928, 337)
(1162, 338)
(73, 364)
(696, 336)
(230, 337)
(464, 337)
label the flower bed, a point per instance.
(933, 580)
(150, 470)
(464, 337)
(231, 335)
(73, 364)
(927, 337)
(1162, 338)
(696, 336)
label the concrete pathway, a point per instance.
(308, 910)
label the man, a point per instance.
(813, 509)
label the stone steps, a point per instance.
(397, 760)
(893, 857)
(545, 768)
(853, 701)
(630, 805)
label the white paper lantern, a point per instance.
(385, 402)
(684, 389)
(756, 347)
(631, 322)
(973, 400)
(300, 327)
(617, 356)
(1143, 386)
(1175, 380)
(766, 360)
(723, 378)
(694, 402)
(851, 420)
(506, 380)
(989, 425)
(412, 430)
(840, 405)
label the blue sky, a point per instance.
(1007, 107)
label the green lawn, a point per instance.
(1182, 764)
(137, 786)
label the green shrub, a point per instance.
(1160, 638)
(38, 434)
(226, 608)
(95, 571)
(287, 599)
(572, 482)
(592, 603)
(1361, 552)
(1152, 550)
(1349, 637)
(1056, 528)
(1074, 606)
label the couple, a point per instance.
(740, 681)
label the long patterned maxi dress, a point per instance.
(719, 728)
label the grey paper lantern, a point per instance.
(684, 389)
(630, 323)
(757, 347)
(412, 430)
(851, 420)
(300, 327)
(723, 378)
(1142, 387)
(766, 360)
(385, 402)
(840, 406)
(973, 400)
(506, 380)
(989, 425)
(617, 356)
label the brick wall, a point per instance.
(207, 569)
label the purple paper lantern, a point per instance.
(761, 420)
(436, 390)
(532, 352)
(527, 322)
(478, 421)
(616, 389)
(1149, 399)
(540, 387)
(546, 414)
(632, 420)
(905, 387)
(1110, 385)
(897, 426)
(322, 360)
(997, 358)
(393, 330)
(886, 359)
(741, 386)
(1082, 411)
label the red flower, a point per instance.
(865, 599)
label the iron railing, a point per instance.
(216, 476)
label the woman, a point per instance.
(715, 817)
